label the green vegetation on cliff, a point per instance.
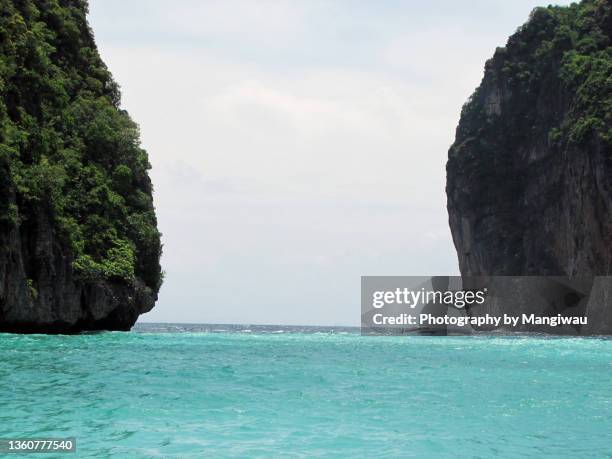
(67, 149)
(561, 57)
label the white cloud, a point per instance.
(262, 21)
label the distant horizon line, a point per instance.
(244, 324)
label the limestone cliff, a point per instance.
(529, 176)
(79, 245)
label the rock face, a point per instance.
(57, 301)
(529, 176)
(79, 245)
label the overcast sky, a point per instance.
(297, 145)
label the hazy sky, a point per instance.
(297, 145)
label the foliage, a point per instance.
(67, 149)
(556, 70)
(119, 263)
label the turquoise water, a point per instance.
(301, 394)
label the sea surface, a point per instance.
(263, 391)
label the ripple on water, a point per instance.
(175, 391)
